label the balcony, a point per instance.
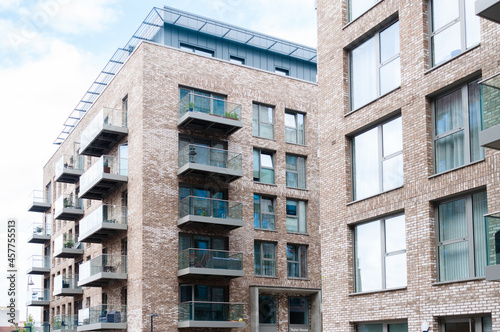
(220, 263)
(210, 315)
(103, 177)
(102, 317)
(38, 264)
(103, 223)
(65, 323)
(41, 234)
(490, 112)
(205, 162)
(209, 212)
(492, 271)
(38, 297)
(206, 113)
(68, 207)
(38, 327)
(66, 285)
(102, 270)
(69, 169)
(67, 246)
(488, 9)
(39, 201)
(107, 128)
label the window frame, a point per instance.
(297, 172)
(300, 262)
(385, 325)
(478, 321)
(281, 71)
(297, 216)
(262, 259)
(296, 114)
(267, 152)
(261, 212)
(260, 121)
(196, 49)
(236, 59)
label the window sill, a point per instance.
(357, 18)
(303, 189)
(268, 184)
(271, 139)
(265, 230)
(297, 278)
(303, 145)
(379, 291)
(371, 102)
(267, 277)
(439, 283)
(451, 59)
(378, 194)
(297, 233)
(456, 169)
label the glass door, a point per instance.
(267, 314)
(298, 314)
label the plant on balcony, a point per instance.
(68, 244)
(38, 229)
(204, 213)
(232, 115)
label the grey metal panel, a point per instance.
(489, 9)
(210, 324)
(492, 273)
(210, 272)
(490, 137)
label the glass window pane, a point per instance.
(302, 217)
(476, 151)
(266, 114)
(472, 35)
(267, 205)
(364, 68)
(268, 250)
(291, 163)
(291, 207)
(389, 42)
(256, 211)
(290, 120)
(366, 164)
(267, 160)
(290, 135)
(301, 139)
(368, 257)
(443, 12)
(487, 324)
(266, 130)
(268, 221)
(392, 137)
(454, 261)
(291, 253)
(452, 220)
(292, 224)
(255, 120)
(446, 44)
(392, 172)
(291, 180)
(395, 238)
(390, 76)
(267, 175)
(358, 7)
(395, 271)
(479, 209)
(299, 311)
(257, 258)
(449, 113)
(398, 327)
(370, 328)
(450, 152)
(267, 309)
(256, 165)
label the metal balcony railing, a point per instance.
(210, 259)
(210, 207)
(103, 263)
(210, 311)
(65, 322)
(105, 313)
(209, 105)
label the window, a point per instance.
(197, 50)
(202, 101)
(123, 155)
(457, 123)
(383, 327)
(296, 219)
(298, 311)
(203, 202)
(295, 171)
(296, 256)
(375, 67)
(263, 120)
(455, 28)
(294, 128)
(263, 212)
(267, 309)
(282, 71)
(359, 7)
(265, 258)
(462, 251)
(235, 59)
(263, 166)
(380, 254)
(465, 324)
(378, 159)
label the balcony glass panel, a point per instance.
(111, 214)
(103, 263)
(65, 322)
(39, 294)
(38, 261)
(106, 313)
(210, 311)
(204, 155)
(209, 207)
(210, 259)
(209, 105)
(40, 229)
(67, 241)
(106, 117)
(68, 202)
(66, 281)
(493, 238)
(69, 162)
(490, 102)
(39, 196)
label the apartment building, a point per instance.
(409, 163)
(185, 190)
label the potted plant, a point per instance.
(38, 229)
(68, 244)
(106, 168)
(191, 106)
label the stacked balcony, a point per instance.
(209, 212)
(490, 113)
(69, 168)
(103, 177)
(66, 285)
(103, 223)
(204, 262)
(102, 270)
(492, 271)
(209, 113)
(102, 317)
(38, 297)
(39, 201)
(210, 315)
(38, 264)
(67, 246)
(38, 327)
(204, 161)
(65, 323)
(40, 234)
(107, 128)
(488, 9)
(68, 207)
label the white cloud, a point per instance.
(9, 4)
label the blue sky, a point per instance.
(50, 53)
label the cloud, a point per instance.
(9, 4)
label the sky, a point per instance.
(50, 53)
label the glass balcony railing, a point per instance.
(204, 155)
(39, 262)
(69, 168)
(105, 313)
(493, 238)
(103, 263)
(490, 102)
(210, 207)
(40, 229)
(95, 181)
(38, 327)
(110, 215)
(39, 201)
(66, 241)
(210, 259)
(209, 105)
(65, 322)
(210, 311)
(106, 119)
(68, 207)
(69, 281)
(39, 294)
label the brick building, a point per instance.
(186, 185)
(408, 172)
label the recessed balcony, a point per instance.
(207, 113)
(40, 234)
(220, 263)
(102, 317)
(69, 168)
(39, 201)
(67, 246)
(492, 271)
(210, 315)
(68, 207)
(107, 128)
(38, 264)
(66, 285)
(38, 297)
(102, 270)
(209, 212)
(103, 223)
(488, 9)
(103, 177)
(489, 136)
(203, 161)
(65, 323)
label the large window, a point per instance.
(263, 121)
(296, 216)
(265, 258)
(378, 159)
(457, 123)
(263, 166)
(358, 7)
(267, 309)
(294, 128)
(455, 28)
(298, 311)
(375, 67)
(295, 171)
(462, 251)
(382, 327)
(263, 212)
(380, 254)
(296, 256)
(465, 324)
